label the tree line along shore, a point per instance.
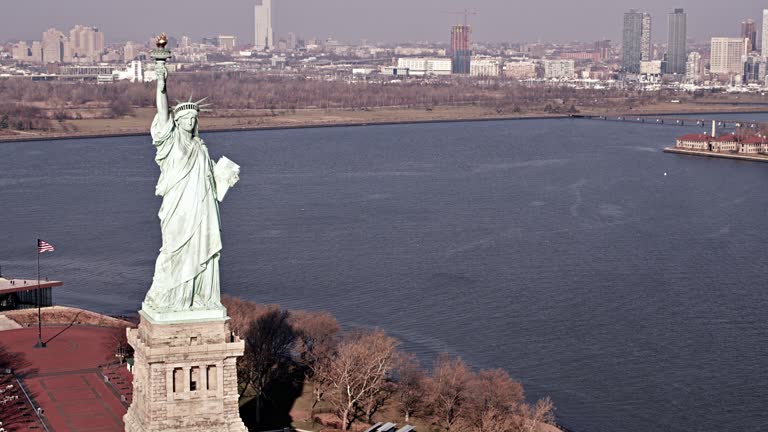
(31, 109)
(301, 369)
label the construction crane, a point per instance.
(465, 12)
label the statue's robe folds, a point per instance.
(187, 269)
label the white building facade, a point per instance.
(694, 67)
(264, 38)
(421, 66)
(559, 69)
(481, 66)
(524, 69)
(727, 54)
(764, 51)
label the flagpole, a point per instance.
(40, 343)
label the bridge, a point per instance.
(678, 121)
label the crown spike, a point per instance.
(190, 105)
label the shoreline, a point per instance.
(734, 156)
(17, 138)
(287, 127)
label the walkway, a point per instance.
(64, 378)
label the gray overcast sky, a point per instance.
(376, 20)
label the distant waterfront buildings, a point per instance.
(520, 69)
(264, 34)
(765, 34)
(636, 44)
(86, 43)
(559, 69)
(424, 66)
(292, 41)
(484, 66)
(726, 55)
(749, 31)
(754, 69)
(676, 38)
(226, 43)
(130, 51)
(694, 68)
(461, 48)
(56, 48)
(603, 49)
(651, 68)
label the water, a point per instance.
(556, 249)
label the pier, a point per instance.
(678, 121)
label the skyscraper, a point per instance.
(55, 47)
(726, 55)
(264, 39)
(676, 55)
(461, 48)
(765, 34)
(636, 45)
(86, 42)
(749, 31)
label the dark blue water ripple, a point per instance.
(558, 250)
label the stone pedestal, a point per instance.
(184, 377)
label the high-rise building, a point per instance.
(694, 67)
(764, 40)
(86, 43)
(21, 51)
(636, 44)
(754, 69)
(726, 55)
(37, 52)
(130, 51)
(264, 39)
(461, 48)
(749, 31)
(292, 41)
(55, 47)
(676, 55)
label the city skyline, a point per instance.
(425, 20)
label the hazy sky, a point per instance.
(376, 20)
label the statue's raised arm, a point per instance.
(161, 54)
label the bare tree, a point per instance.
(316, 342)
(494, 403)
(269, 344)
(374, 400)
(359, 367)
(447, 391)
(533, 416)
(410, 380)
(242, 313)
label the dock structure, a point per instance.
(678, 121)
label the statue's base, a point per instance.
(184, 376)
(177, 317)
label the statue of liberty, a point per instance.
(187, 269)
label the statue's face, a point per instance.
(187, 123)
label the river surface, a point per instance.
(627, 284)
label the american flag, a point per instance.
(43, 246)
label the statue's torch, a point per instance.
(161, 54)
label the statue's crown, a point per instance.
(189, 105)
